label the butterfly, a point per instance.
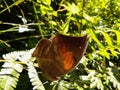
(60, 54)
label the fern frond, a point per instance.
(32, 73)
(10, 72)
(114, 78)
(96, 81)
(9, 75)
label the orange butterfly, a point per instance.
(60, 54)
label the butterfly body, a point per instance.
(60, 54)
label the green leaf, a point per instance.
(47, 2)
(72, 8)
(93, 36)
(104, 53)
(118, 36)
(107, 38)
(114, 53)
(65, 27)
(43, 10)
(110, 43)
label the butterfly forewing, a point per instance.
(71, 50)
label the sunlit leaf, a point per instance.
(93, 36)
(114, 53)
(47, 2)
(118, 36)
(104, 53)
(107, 38)
(72, 8)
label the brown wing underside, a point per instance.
(60, 54)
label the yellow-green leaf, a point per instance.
(118, 36)
(93, 36)
(107, 38)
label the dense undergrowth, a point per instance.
(24, 22)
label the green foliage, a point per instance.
(9, 75)
(24, 22)
(13, 67)
(10, 72)
(106, 46)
